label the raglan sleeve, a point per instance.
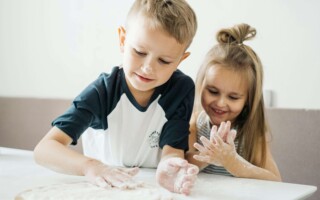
(175, 132)
(85, 111)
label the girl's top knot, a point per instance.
(236, 35)
(167, 2)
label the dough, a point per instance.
(85, 191)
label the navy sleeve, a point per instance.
(178, 106)
(87, 110)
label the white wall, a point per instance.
(54, 48)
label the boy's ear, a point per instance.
(122, 37)
(184, 56)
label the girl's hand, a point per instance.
(217, 151)
(106, 176)
(223, 131)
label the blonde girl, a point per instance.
(229, 132)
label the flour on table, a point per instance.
(85, 191)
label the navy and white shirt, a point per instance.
(118, 131)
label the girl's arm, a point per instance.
(193, 151)
(225, 153)
(239, 167)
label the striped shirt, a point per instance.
(203, 129)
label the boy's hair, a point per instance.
(231, 53)
(175, 17)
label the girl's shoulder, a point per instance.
(202, 119)
(203, 124)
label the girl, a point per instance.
(229, 96)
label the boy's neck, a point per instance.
(142, 97)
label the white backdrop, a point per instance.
(54, 48)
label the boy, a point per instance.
(138, 115)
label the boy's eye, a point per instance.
(164, 62)
(139, 52)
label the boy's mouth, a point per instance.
(144, 79)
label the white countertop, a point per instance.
(19, 172)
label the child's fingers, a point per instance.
(221, 127)
(173, 165)
(218, 140)
(199, 147)
(231, 136)
(192, 169)
(100, 182)
(226, 131)
(205, 158)
(130, 171)
(234, 134)
(206, 143)
(177, 162)
(213, 132)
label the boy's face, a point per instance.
(224, 94)
(149, 56)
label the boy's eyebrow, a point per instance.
(168, 57)
(145, 50)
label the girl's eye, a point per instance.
(213, 91)
(139, 53)
(164, 62)
(234, 98)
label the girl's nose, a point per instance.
(221, 102)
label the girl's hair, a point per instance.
(232, 53)
(175, 17)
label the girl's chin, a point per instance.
(216, 122)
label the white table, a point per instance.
(19, 172)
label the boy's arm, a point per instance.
(174, 172)
(53, 153)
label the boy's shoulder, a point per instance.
(178, 83)
(114, 75)
(178, 77)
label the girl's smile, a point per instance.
(224, 94)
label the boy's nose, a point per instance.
(147, 69)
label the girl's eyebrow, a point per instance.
(237, 94)
(231, 93)
(209, 85)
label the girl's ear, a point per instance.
(122, 37)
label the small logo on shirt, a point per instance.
(154, 139)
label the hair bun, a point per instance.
(236, 35)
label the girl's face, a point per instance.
(224, 94)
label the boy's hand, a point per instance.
(106, 176)
(177, 175)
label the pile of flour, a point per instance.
(85, 191)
